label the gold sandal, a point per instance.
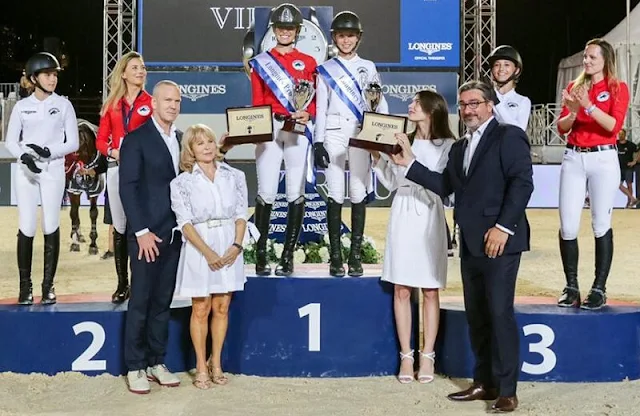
(217, 377)
(202, 380)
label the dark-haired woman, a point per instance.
(416, 244)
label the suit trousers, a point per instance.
(148, 313)
(489, 290)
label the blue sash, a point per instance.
(345, 86)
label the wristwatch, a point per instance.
(239, 246)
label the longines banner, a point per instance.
(213, 92)
(419, 33)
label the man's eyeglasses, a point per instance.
(471, 104)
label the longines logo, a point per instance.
(430, 48)
(238, 18)
(196, 91)
(405, 92)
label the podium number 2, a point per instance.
(85, 361)
(312, 310)
(549, 358)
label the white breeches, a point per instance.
(599, 172)
(115, 204)
(293, 149)
(337, 134)
(47, 187)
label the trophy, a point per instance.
(302, 95)
(249, 125)
(378, 130)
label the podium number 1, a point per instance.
(312, 310)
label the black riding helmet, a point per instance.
(286, 14)
(509, 53)
(41, 61)
(346, 21)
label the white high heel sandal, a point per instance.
(406, 378)
(427, 378)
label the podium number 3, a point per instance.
(549, 358)
(312, 310)
(85, 361)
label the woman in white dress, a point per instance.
(210, 202)
(416, 244)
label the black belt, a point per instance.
(280, 117)
(598, 148)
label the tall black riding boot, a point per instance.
(121, 257)
(570, 297)
(51, 255)
(295, 216)
(358, 214)
(262, 218)
(25, 254)
(334, 223)
(597, 297)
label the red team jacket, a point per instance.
(299, 66)
(613, 100)
(112, 127)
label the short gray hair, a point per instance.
(164, 82)
(485, 89)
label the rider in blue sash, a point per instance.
(340, 108)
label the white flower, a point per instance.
(346, 242)
(299, 256)
(326, 239)
(278, 248)
(370, 241)
(324, 254)
(270, 244)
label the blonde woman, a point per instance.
(127, 107)
(594, 108)
(210, 202)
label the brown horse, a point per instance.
(84, 170)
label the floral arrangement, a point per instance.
(314, 252)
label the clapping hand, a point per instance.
(569, 101)
(581, 95)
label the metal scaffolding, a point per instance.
(478, 37)
(118, 37)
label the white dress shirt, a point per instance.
(513, 109)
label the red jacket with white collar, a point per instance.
(306, 69)
(112, 124)
(613, 99)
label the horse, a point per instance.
(84, 170)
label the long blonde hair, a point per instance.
(187, 156)
(117, 85)
(610, 71)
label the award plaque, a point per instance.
(378, 133)
(249, 125)
(303, 93)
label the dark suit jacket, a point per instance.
(146, 170)
(496, 189)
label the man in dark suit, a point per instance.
(491, 174)
(148, 163)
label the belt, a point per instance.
(216, 222)
(112, 164)
(280, 117)
(598, 148)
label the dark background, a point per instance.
(544, 31)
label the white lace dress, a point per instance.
(212, 207)
(416, 245)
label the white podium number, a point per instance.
(85, 361)
(312, 310)
(549, 358)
